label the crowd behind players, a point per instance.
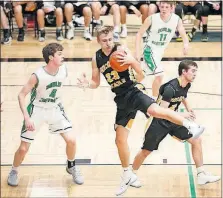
(63, 12)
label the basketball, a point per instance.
(113, 60)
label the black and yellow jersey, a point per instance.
(119, 81)
(173, 93)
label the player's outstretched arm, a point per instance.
(183, 34)
(139, 35)
(95, 79)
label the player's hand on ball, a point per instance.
(83, 82)
(125, 58)
(29, 124)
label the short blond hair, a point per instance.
(104, 30)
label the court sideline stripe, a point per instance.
(90, 59)
(189, 169)
(98, 164)
(106, 86)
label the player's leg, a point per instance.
(141, 101)
(158, 79)
(203, 177)
(155, 133)
(71, 168)
(174, 117)
(152, 66)
(18, 159)
(27, 138)
(60, 124)
(124, 120)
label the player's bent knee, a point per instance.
(71, 141)
(120, 141)
(23, 150)
(154, 110)
(197, 141)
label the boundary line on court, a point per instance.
(90, 59)
(189, 168)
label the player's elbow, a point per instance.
(21, 95)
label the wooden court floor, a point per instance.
(168, 172)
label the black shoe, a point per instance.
(7, 37)
(204, 37)
(42, 35)
(21, 35)
(59, 34)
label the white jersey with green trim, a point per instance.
(47, 92)
(161, 32)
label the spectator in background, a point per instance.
(195, 7)
(104, 8)
(140, 8)
(209, 8)
(20, 7)
(5, 8)
(50, 8)
(83, 9)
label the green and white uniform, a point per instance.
(45, 104)
(160, 34)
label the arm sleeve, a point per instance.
(168, 94)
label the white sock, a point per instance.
(126, 169)
(135, 171)
(97, 21)
(86, 29)
(127, 172)
(71, 25)
(124, 26)
(14, 168)
(116, 28)
(200, 169)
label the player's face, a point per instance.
(106, 41)
(58, 58)
(191, 74)
(165, 9)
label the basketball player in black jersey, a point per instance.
(171, 94)
(130, 97)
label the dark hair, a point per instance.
(50, 50)
(185, 64)
(104, 30)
